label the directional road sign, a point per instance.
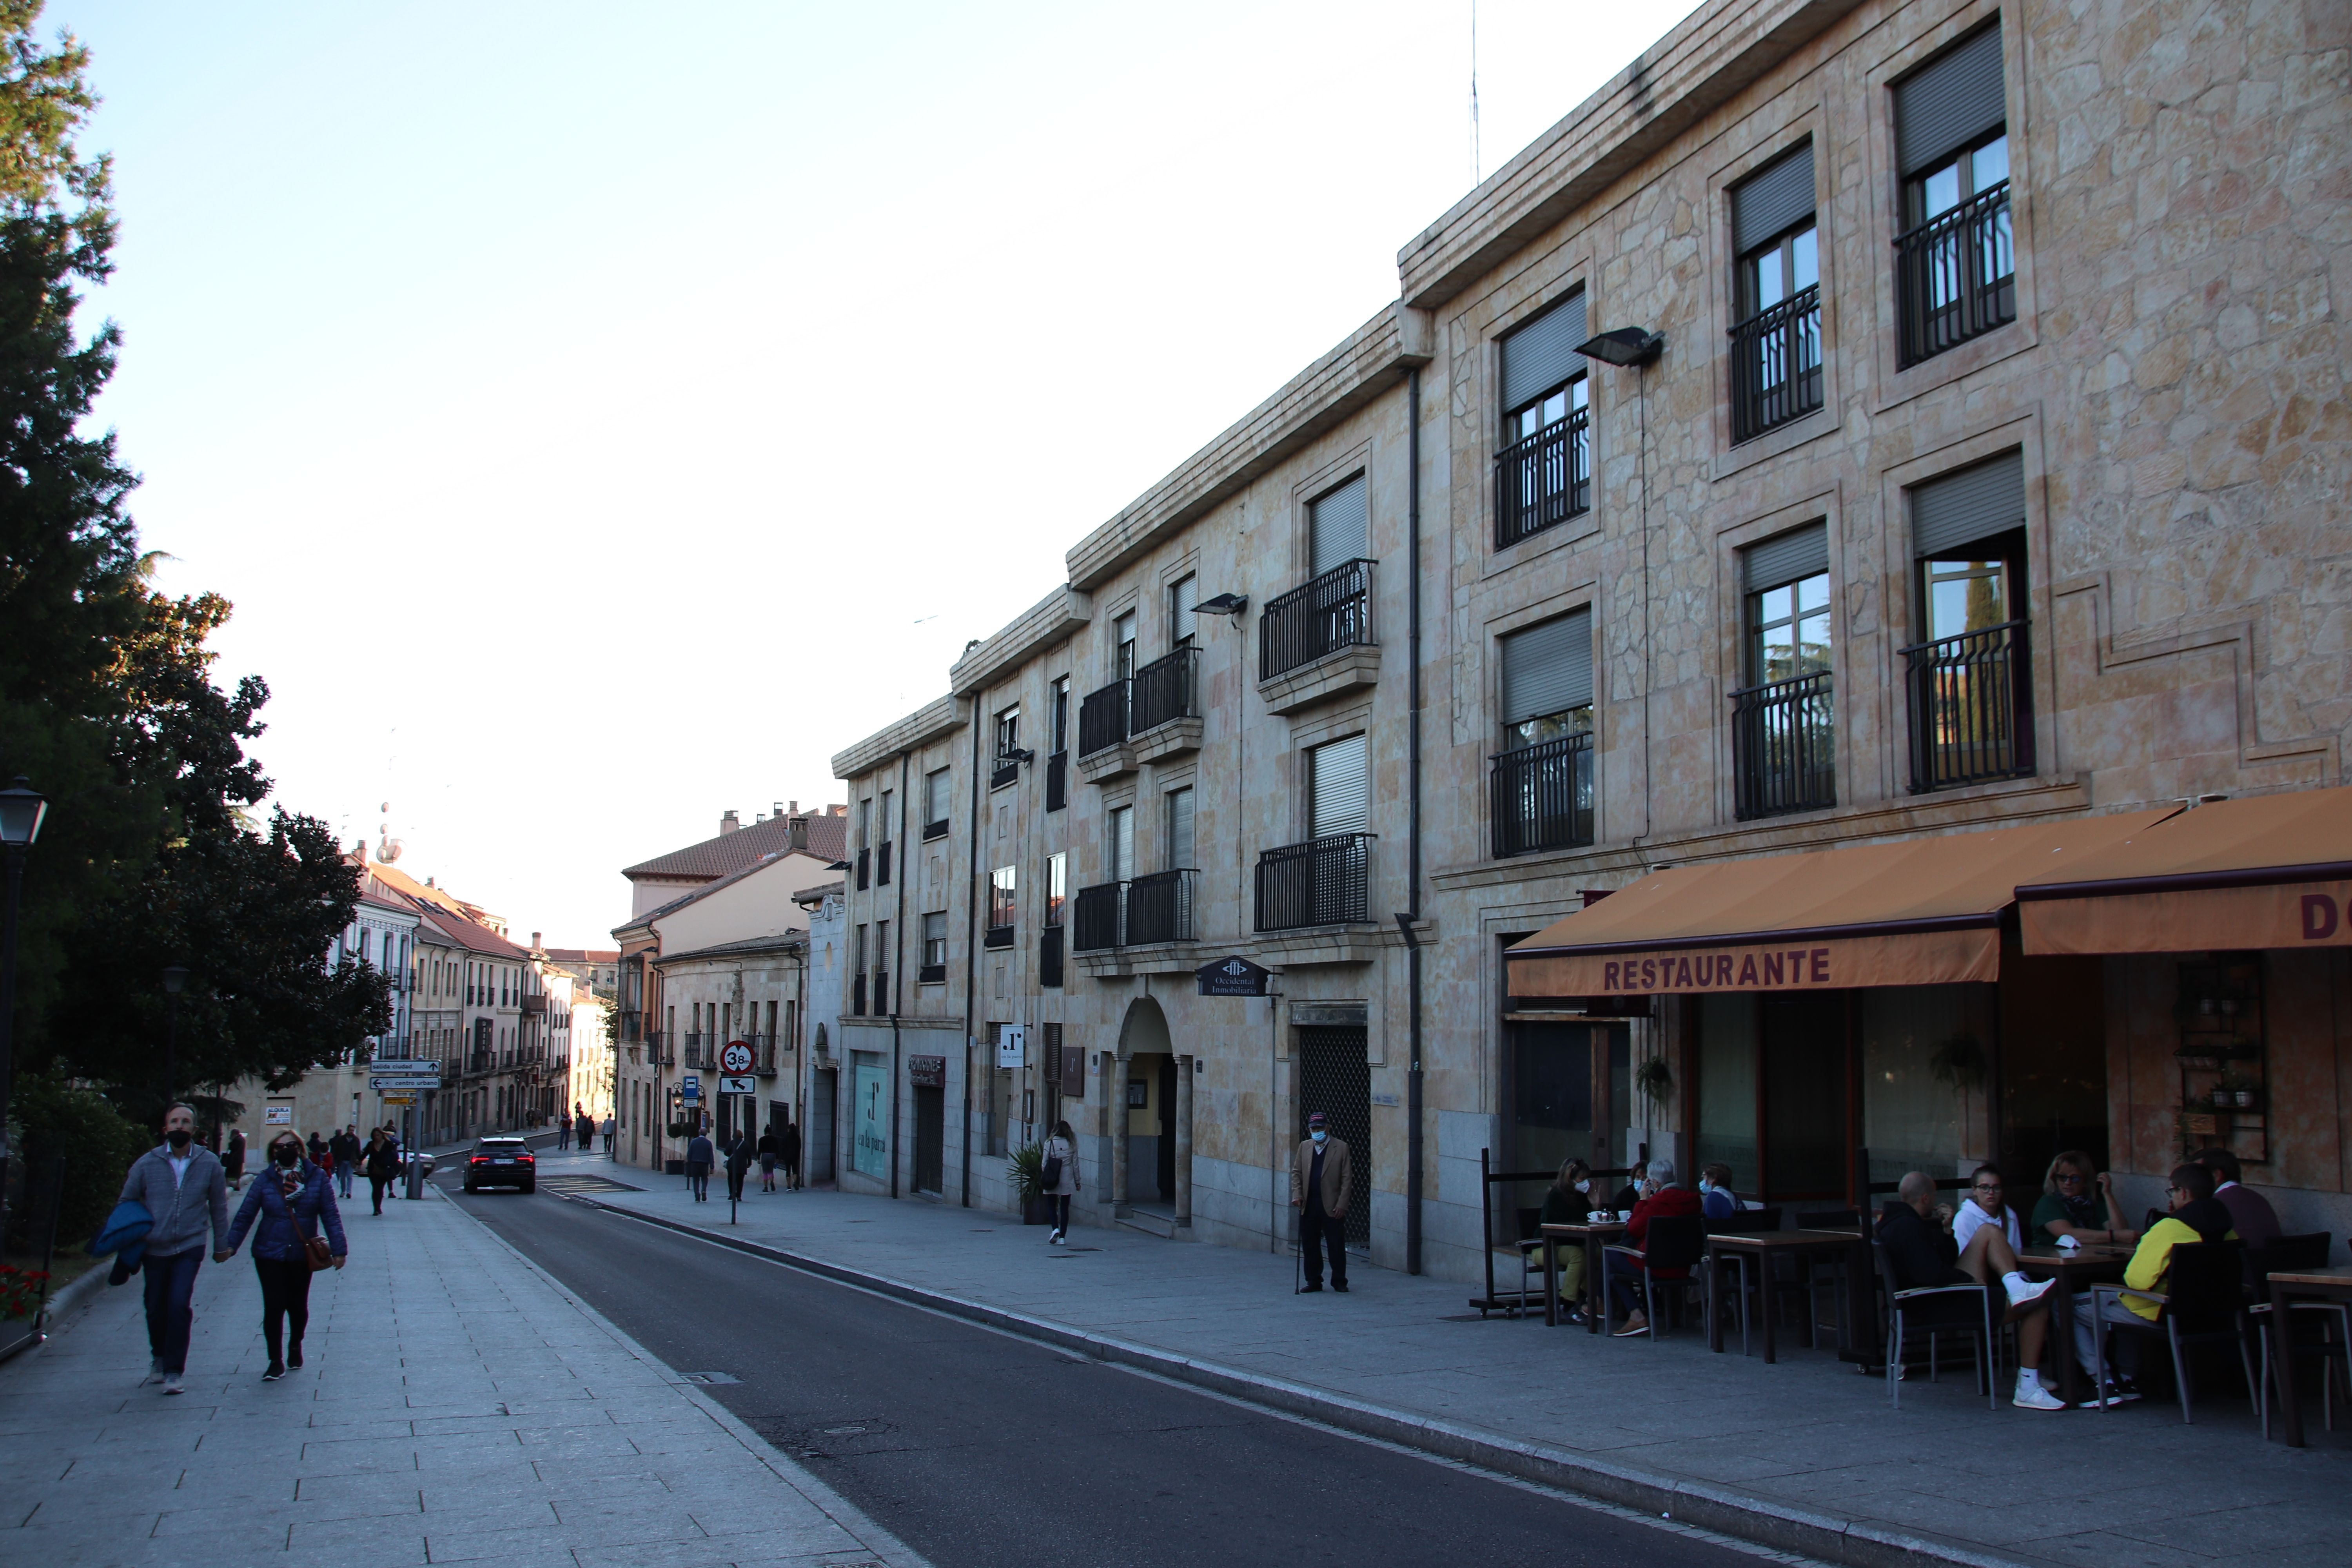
(746, 1084)
(400, 1100)
(405, 1085)
(736, 1058)
(393, 1067)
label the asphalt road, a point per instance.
(986, 1451)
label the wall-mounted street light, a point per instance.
(1625, 348)
(1223, 604)
(22, 809)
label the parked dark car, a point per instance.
(501, 1163)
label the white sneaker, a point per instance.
(2032, 1395)
(154, 1372)
(172, 1384)
(2034, 1292)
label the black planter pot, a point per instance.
(1037, 1211)
(673, 1167)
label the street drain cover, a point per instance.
(712, 1377)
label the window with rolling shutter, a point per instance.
(1122, 843)
(1776, 348)
(1183, 619)
(1953, 100)
(935, 801)
(1338, 528)
(1965, 508)
(1179, 830)
(1339, 788)
(1956, 262)
(1543, 474)
(1546, 681)
(1541, 356)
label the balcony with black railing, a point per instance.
(930, 973)
(1049, 955)
(1100, 918)
(1003, 771)
(1776, 365)
(1325, 881)
(1332, 612)
(1102, 719)
(1543, 480)
(1164, 691)
(1542, 796)
(1783, 743)
(1160, 908)
(865, 869)
(1057, 781)
(1971, 708)
(998, 936)
(858, 995)
(1955, 276)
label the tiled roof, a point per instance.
(828, 839)
(584, 954)
(474, 937)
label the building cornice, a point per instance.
(925, 724)
(1050, 620)
(1718, 51)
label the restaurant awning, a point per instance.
(2267, 870)
(1924, 911)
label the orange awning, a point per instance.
(1925, 912)
(2268, 870)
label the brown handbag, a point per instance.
(321, 1255)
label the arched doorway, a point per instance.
(1143, 1100)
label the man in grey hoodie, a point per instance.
(182, 1185)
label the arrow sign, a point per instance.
(408, 1084)
(743, 1085)
(393, 1066)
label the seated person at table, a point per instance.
(1920, 1239)
(1660, 1199)
(1569, 1201)
(2197, 1215)
(2257, 1223)
(1630, 1193)
(1715, 1198)
(2072, 1204)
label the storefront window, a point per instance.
(1924, 1066)
(1726, 1085)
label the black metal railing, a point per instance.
(1100, 917)
(1543, 480)
(1165, 691)
(881, 992)
(1049, 957)
(1971, 708)
(1955, 276)
(1057, 781)
(1776, 364)
(858, 995)
(1326, 881)
(1783, 747)
(930, 973)
(865, 869)
(1333, 612)
(882, 866)
(1160, 908)
(1102, 719)
(1542, 796)
(1004, 771)
(998, 936)
(632, 1026)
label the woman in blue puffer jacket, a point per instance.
(291, 1198)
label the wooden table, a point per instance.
(2326, 1284)
(1594, 1234)
(1760, 1246)
(2073, 1270)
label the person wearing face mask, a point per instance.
(182, 1185)
(1569, 1201)
(1320, 1178)
(291, 1199)
(1715, 1198)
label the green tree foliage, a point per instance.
(150, 856)
(97, 1143)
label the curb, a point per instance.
(1781, 1527)
(68, 1302)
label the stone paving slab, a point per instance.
(1809, 1438)
(457, 1406)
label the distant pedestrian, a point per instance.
(771, 1146)
(788, 1149)
(563, 1133)
(1320, 1178)
(182, 1185)
(233, 1162)
(698, 1155)
(383, 1166)
(345, 1147)
(317, 1150)
(608, 1134)
(1061, 1165)
(739, 1165)
(583, 1130)
(292, 1200)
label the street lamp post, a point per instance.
(21, 811)
(174, 978)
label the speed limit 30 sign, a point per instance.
(736, 1057)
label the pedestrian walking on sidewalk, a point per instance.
(316, 1149)
(345, 1147)
(182, 1184)
(739, 1165)
(383, 1166)
(1061, 1169)
(608, 1134)
(788, 1149)
(292, 1200)
(233, 1162)
(563, 1134)
(769, 1147)
(584, 1127)
(697, 1167)
(1320, 1179)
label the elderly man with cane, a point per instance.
(1319, 1184)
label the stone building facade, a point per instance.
(1966, 449)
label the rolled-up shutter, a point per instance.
(1340, 781)
(1974, 503)
(1179, 830)
(1548, 669)
(1949, 102)
(1541, 355)
(1774, 201)
(935, 797)
(1790, 557)
(1340, 528)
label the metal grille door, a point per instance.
(1334, 1079)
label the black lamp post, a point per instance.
(174, 978)
(21, 810)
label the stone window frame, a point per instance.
(1585, 593)
(1852, 719)
(1312, 486)
(1566, 269)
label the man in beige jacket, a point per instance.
(1321, 1181)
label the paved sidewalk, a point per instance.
(457, 1406)
(1803, 1445)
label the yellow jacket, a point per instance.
(2153, 1257)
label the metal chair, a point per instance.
(1675, 1241)
(2203, 1302)
(1936, 1310)
(2298, 1253)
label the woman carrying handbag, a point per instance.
(291, 1198)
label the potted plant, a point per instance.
(1656, 1079)
(1024, 1169)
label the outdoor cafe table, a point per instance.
(1760, 1247)
(2327, 1285)
(1594, 1235)
(2074, 1272)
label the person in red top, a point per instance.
(1661, 1199)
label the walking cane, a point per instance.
(1298, 1251)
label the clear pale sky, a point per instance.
(601, 415)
